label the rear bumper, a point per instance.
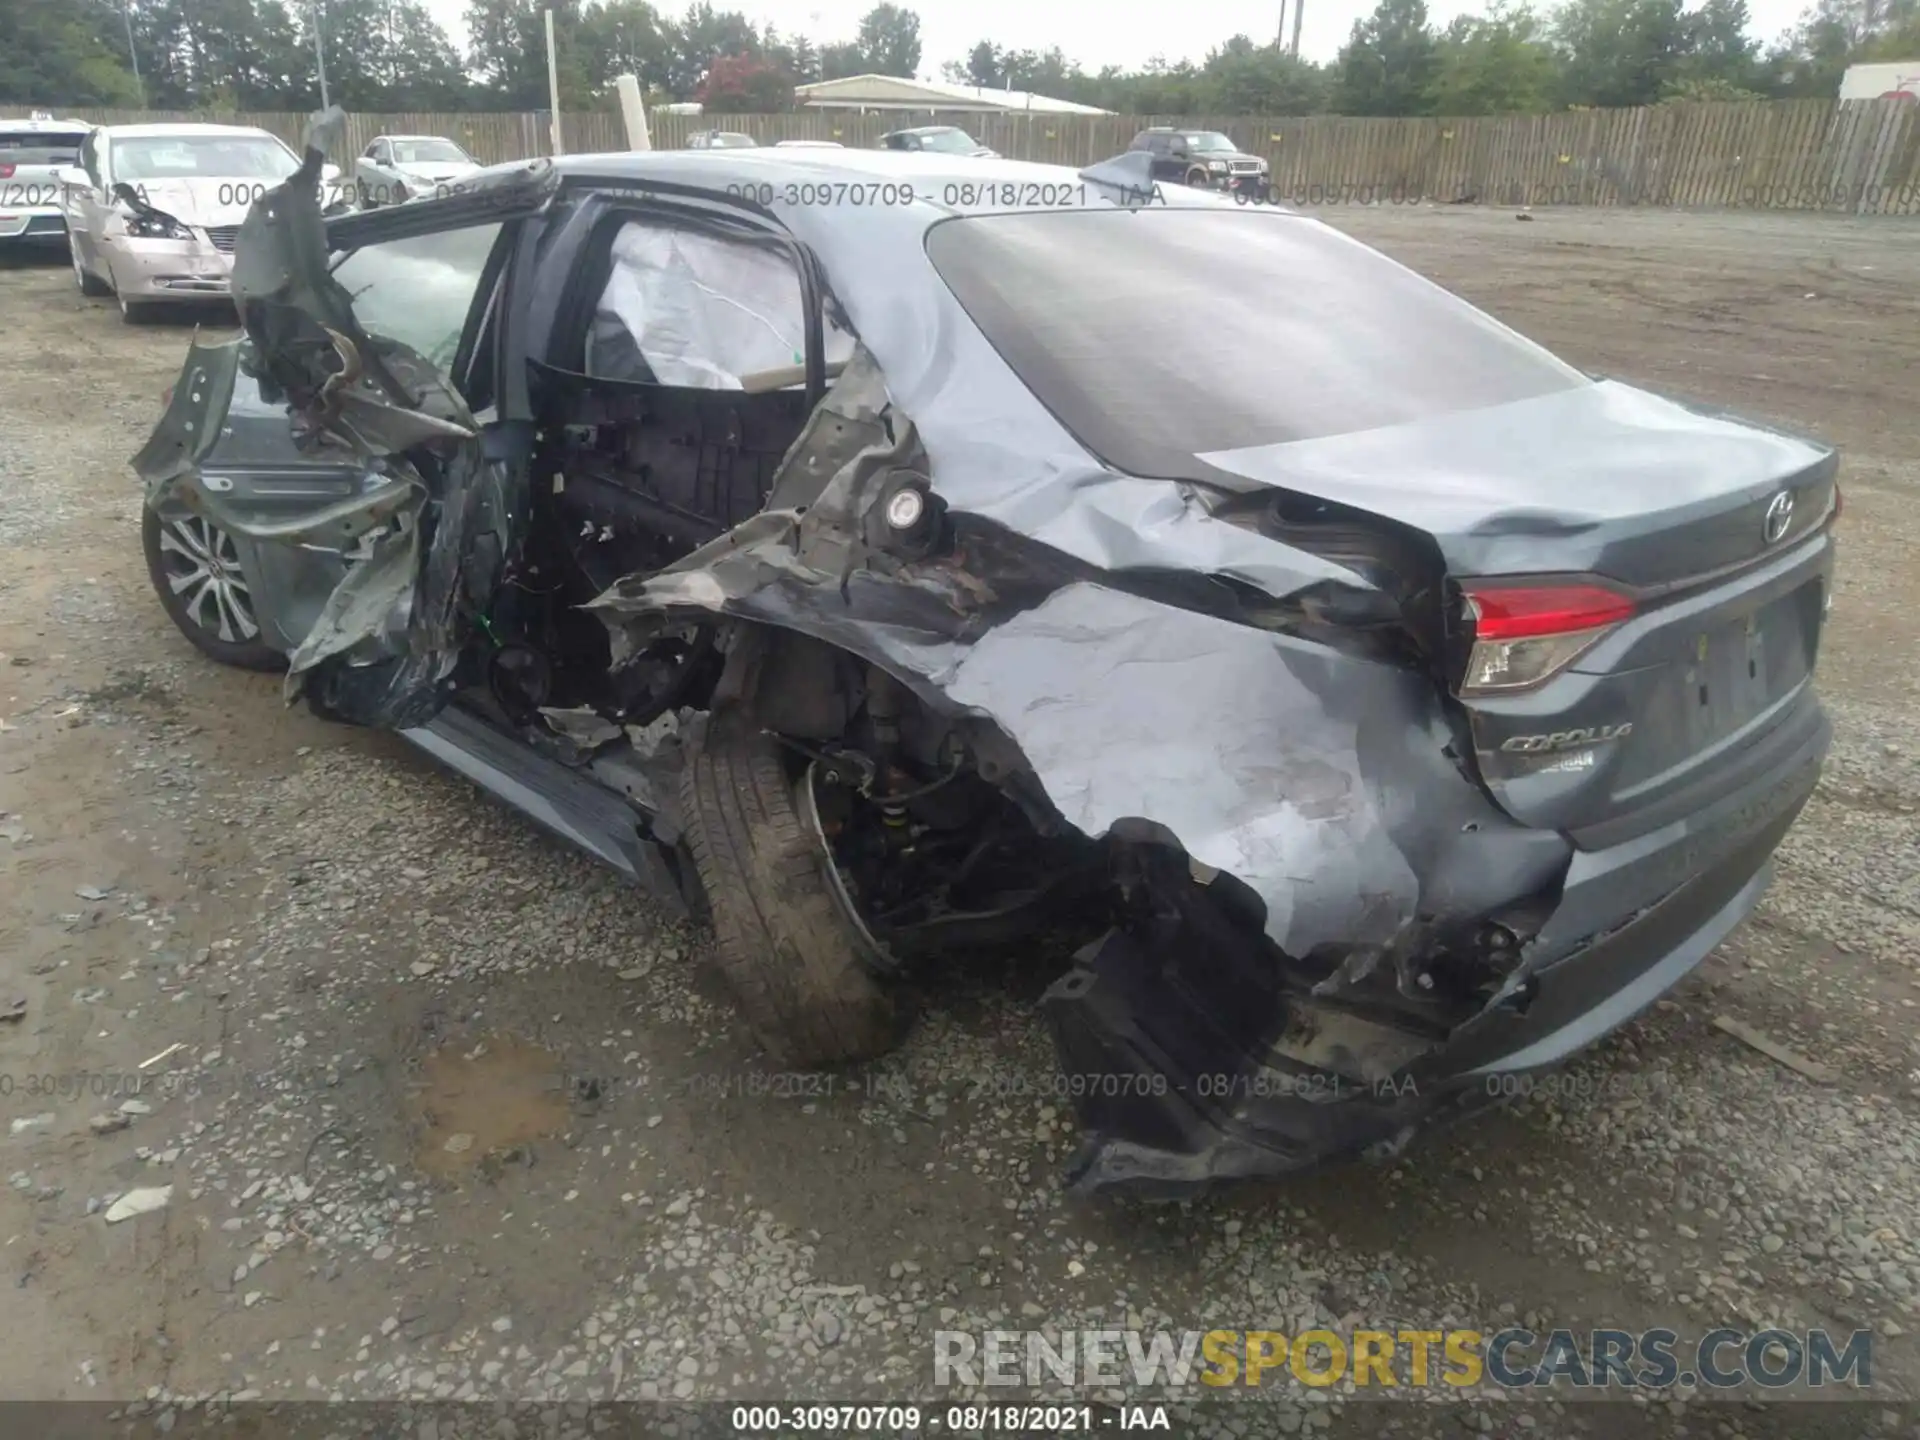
(1178, 1090)
(33, 227)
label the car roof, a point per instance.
(926, 130)
(1049, 186)
(183, 127)
(448, 138)
(38, 123)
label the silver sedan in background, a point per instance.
(396, 168)
(152, 211)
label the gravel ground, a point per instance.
(449, 1113)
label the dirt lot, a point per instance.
(448, 1112)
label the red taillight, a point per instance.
(1520, 612)
(1526, 634)
(6, 169)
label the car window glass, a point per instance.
(40, 147)
(1333, 338)
(418, 290)
(165, 157)
(685, 308)
(427, 152)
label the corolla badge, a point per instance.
(1567, 739)
(1779, 517)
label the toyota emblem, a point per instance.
(1779, 517)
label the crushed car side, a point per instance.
(977, 682)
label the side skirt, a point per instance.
(561, 800)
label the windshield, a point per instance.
(40, 147)
(429, 152)
(1210, 141)
(950, 142)
(165, 157)
(1323, 336)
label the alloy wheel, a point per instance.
(203, 569)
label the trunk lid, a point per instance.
(1708, 538)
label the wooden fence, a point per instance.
(1857, 156)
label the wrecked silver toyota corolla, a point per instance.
(894, 561)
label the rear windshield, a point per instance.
(947, 142)
(41, 147)
(1154, 335)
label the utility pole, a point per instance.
(133, 55)
(1280, 39)
(553, 86)
(320, 54)
(1299, 11)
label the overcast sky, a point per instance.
(1095, 34)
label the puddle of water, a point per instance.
(478, 1102)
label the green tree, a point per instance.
(702, 36)
(1389, 63)
(222, 54)
(1717, 55)
(1492, 63)
(1700, 89)
(983, 67)
(841, 58)
(507, 51)
(629, 37)
(804, 61)
(1619, 52)
(383, 55)
(1241, 78)
(889, 40)
(65, 53)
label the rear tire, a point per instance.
(785, 951)
(167, 559)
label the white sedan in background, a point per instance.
(153, 210)
(32, 154)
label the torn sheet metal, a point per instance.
(1243, 745)
(425, 535)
